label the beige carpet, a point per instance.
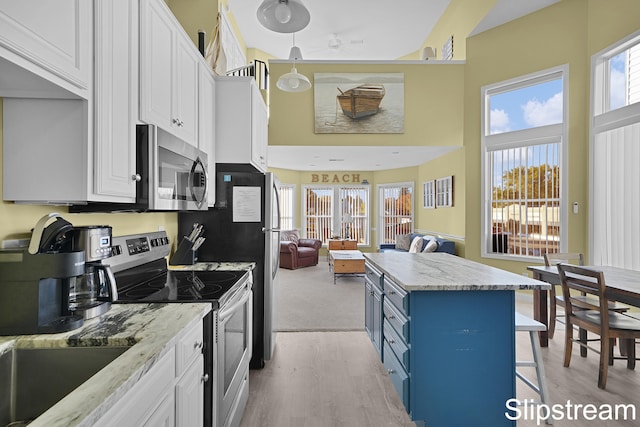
(307, 300)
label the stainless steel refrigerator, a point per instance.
(244, 225)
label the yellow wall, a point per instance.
(458, 20)
(610, 21)
(16, 221)
(565, 33)
(433, 106)
(448, 222)
(442, 107)
(195, 15)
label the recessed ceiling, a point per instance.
(346, 30)
(361, 30)
(352, 158)
(365, 29)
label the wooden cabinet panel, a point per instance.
(343, 245)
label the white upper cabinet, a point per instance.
(168, 73)
(46, 48)
(206, 120)
(116, 99)
(75, 150)
(241, 122)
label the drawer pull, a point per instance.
(391, 371)
(392, 341)
(392, 292)
(198, 345)
(392, 316)
(371, 293)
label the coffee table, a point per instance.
(346, 262)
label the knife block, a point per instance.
(184, 254)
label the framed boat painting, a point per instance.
(359, 102)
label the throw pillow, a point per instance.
(416, 245)
(403, 241)
(432, 246)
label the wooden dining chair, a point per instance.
(556, 300)
(593, 315)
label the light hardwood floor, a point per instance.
(326, 379)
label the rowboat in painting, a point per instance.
(361, 101)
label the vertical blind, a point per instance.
(616, 197)
(341, 211)
(287, 207)
(354, 217)
(318, 210)
(396, 208)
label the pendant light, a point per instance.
(294, 81)
(283, 16)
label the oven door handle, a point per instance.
(227, 311)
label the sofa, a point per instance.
(426, 244)
(296, 252)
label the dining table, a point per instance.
(623, 285)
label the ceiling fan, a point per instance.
(336, 43)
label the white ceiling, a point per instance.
(352, 158)
(366, 30)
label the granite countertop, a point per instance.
(439, 271)
(152, 329)
(215, 266)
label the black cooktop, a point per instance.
(156, 284)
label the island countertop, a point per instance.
(152, 329)
(438, 271)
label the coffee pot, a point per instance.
(91, 294)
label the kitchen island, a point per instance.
(151, 330)
(444, 327)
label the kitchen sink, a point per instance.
(34, 379)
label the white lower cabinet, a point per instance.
(171, 393)
(164, 415)
(190, 395)
(149, 400)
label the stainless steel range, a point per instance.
(140, 268)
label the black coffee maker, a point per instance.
(35, 282)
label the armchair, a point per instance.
(296, 252)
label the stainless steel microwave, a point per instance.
(177, 177)
(171, 175)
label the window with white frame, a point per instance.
(444, 192)
(395, 209)
(287, 206)
(523, 141)
(429, 194)
(615, 155)
(337, 211)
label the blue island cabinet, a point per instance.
(450, 354)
